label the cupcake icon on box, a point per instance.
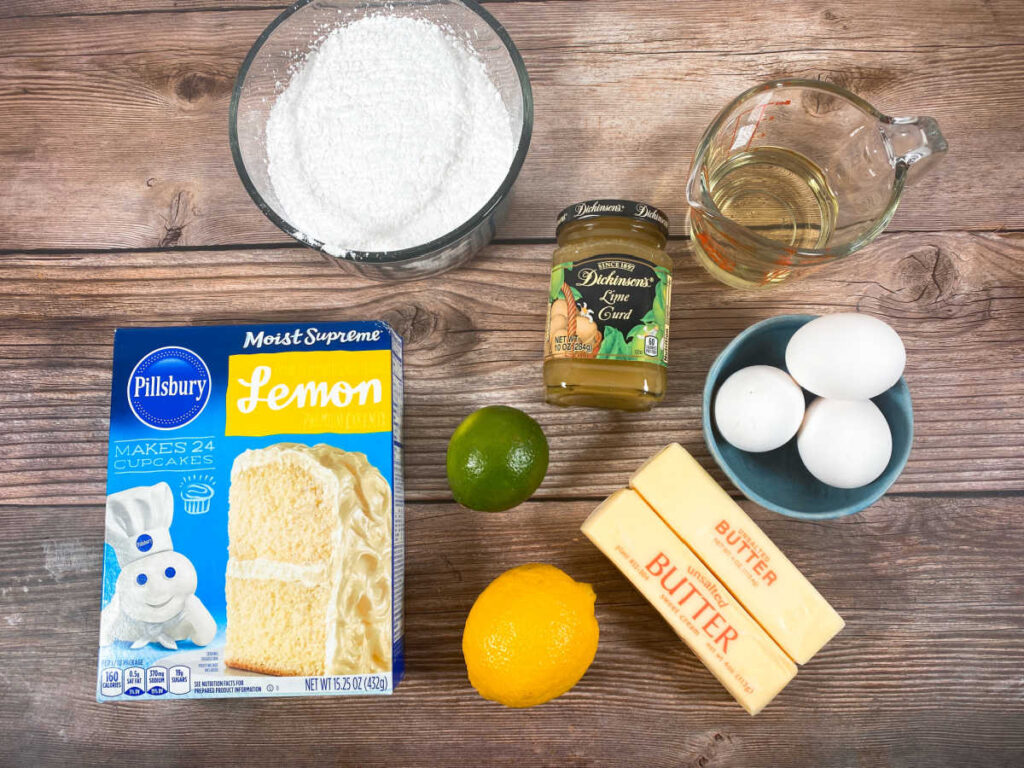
(196, 494)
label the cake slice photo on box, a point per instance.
(309, 580)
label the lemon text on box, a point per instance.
(347, 392)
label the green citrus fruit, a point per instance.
(496, 459)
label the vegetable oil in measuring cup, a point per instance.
(777, 194)
(762, 208)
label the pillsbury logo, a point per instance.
(169, 387)
(144, 543)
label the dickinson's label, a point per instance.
(611, 307)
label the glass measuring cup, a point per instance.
(797, 173)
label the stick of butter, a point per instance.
(699, 609)
(741, 555)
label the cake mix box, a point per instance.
(254, 531)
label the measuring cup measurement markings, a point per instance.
(796, 173)
(750, 135)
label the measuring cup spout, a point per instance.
(916, 143)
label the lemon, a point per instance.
(496, 459)
(530, 636)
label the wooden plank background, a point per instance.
(119, 205)
(623, 92)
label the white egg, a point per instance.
(844, 443)
(846, 356)
(759, 408)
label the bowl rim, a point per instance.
(405, 254)
(714, 373)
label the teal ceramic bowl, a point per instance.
(777, 480)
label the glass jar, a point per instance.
(606, 343)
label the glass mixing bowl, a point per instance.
(268, 67)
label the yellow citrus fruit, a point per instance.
(530, 636)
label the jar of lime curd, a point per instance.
(606, 344)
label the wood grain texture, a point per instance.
(113, 135)
(21, 8)
(927, 672)
(119, 121)
(474, 337)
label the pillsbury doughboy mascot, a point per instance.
(154, 600)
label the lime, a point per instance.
(496, 459)
(530, 636)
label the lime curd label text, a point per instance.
(611, 307)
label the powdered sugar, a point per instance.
(389, 135)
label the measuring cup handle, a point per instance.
(915, 142)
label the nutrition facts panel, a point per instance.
(148, 681)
